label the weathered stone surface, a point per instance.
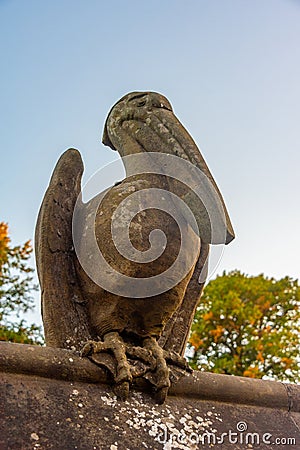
(71, 407)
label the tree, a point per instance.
(16, 287)
(248, 326)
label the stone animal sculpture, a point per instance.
(146, 333)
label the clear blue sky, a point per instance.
(230, 68)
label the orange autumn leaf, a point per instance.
(251, 372)
(208, 315)
(217, 332)
(196, 342)
(287, 362)
(260, 357)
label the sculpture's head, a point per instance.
(132, 112)
(144, 122)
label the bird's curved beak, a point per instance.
(145, 122)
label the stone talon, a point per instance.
(121, 390)
(161, 395)
(141, 353)
(87, 349)
(162, 381)
(178, 360)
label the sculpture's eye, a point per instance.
(138, 99)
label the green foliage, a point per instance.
(248, 326)
(16, 288)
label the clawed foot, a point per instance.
(151, 354)
(161, 375)
(114, 343)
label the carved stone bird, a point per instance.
(89, 303)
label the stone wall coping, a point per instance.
(61, 364)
